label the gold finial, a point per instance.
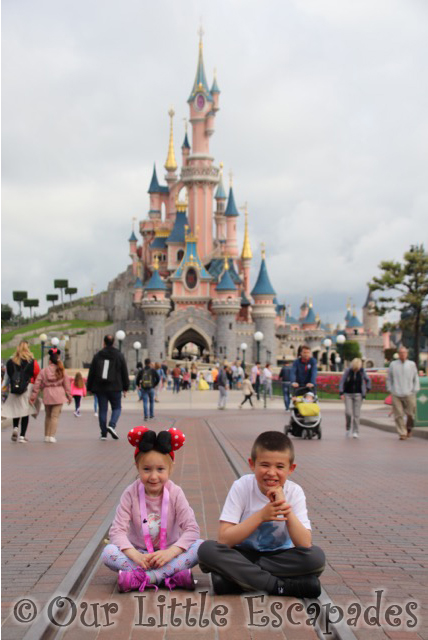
(226, 263)
(348, 304)
(185, 125)
(310, 302)
(231, 178)
(170, 164)
(134, 220)
(317, 318)
(181, 206)
(221, 165)
(156, 262)
(215, 73)
(262, 244)
(200, 34)
(246, 254)
(354, 312)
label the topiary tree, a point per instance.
(71, 291)
(351, 350)
(31, 302)
(52, 297)
(19, 297)
(6, 312)
(61, 284)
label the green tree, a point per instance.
(407, 286)
(71, 291)
(350, 350)
(31, 302)
(61, 284)
(52, 297)
(19, 297)
(6, 312)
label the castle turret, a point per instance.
(246, 257)
(310, 320)
(231, 214)
(185, 148)
(354, 326)
(226, 307)
(171, 164)
(370, 317)
(215, 92)
(156, 307)
(155, 196)
(263, 312)
(220, 197)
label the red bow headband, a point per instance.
(144, 440)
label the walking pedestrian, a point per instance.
(21, 371)
(55, 386)
(108, 378)
(285, 377)
(162, 378)
(353, 388)
(403, 383)
(267, 381)
(78, 391)
(147, 381)
(255, 379)
(248, 390)
(223, 385)
(176, 376)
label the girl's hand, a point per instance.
(158, 559)
(137, 557)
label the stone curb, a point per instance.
(417, 432)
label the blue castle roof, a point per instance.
(191, 258)
(354, 323)
(217, 265)
(220, 194)
(138, 284)
(231, 209)
(290, 319)
(200, 85)
(154, 184)
(186, 144)
(244, 300)
(132, 238)
(263, 285)
(177, 234)
(214, 88)
(158, 243)
(155, 283)
(226, 283)
(310, 317)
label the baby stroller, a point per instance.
(305, 417)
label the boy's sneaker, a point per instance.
(134, 580)
(355, 435)
(182, 580)
(22, 439)
(222, 585)
(14, 436)
(112, 432)
(302, 587)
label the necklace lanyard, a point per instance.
(144, 523)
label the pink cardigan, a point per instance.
(77, 391)
(54, 391)
(182, 529)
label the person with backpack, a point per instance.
(22, 370)
(108, 379)
(147, 379)
(55, 386)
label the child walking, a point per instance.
(78, 391)
(248, 390)
(154, 536)
(264, 538)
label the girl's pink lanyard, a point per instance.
(144, 523)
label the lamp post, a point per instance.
(55, 342)
(43, 338)
(120, 337)
(327, 343)
(137, 347)
(338, 360)
(244, 347)
(340, 341)
(258, 337)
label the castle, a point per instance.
(189, 282)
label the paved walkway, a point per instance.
(366, 500)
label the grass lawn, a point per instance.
(51, 326)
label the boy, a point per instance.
(264, 539)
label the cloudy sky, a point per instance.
(323, 120)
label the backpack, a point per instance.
(147, 380)
(20, 379)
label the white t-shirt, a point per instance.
(245, 498)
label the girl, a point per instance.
(154, 536)
(56, 390)
(21, 365)
(248, 390)
(202, 383)
(78, 390)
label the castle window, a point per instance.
(230, 326)
(180, 255)
(191, 278)
(151, 332)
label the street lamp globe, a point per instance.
(55, 342)
(341, 339)
(338, 359)
(120, 335)
(137, 345)
(258, 336)
(327, 343)
(244, 346)
(43, 337)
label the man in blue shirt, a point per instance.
(304, 369)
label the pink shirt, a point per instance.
(126, 532)
(77, 391)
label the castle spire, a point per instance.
(246, 249)
(263, 285)
(200, 85)
(170, 164)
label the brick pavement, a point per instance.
(48, 518)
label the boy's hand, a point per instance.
(158, 559)
(276, 494)
(275, 511)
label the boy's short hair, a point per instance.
(273, 441)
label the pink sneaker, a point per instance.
(182, 580)
(134, 580)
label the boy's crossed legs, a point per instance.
(292, 572)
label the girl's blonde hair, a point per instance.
(78, 381)
(356, 364)
(22, 353)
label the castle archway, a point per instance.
(190, 341)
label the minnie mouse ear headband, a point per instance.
(54, 352)
(144, 440)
